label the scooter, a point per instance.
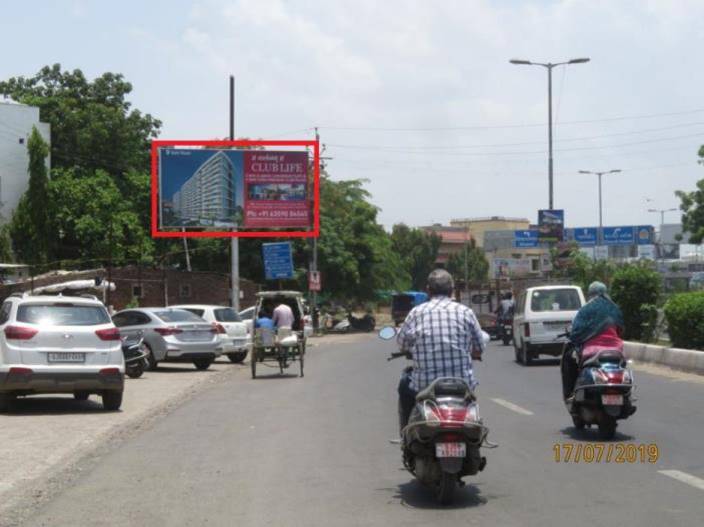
(135, 354)
(505, 330)
(366, 323)
(442, 440)
(603, 392)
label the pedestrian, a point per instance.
(283, 316)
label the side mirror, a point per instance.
(387, 333)
(486, 338)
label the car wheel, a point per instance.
(526, 357)
(81, 396)
(6, 400)
(112, 401)
(202, 364)
(151, 362)
(237, 357)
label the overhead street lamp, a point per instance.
(662, 217)
(601, 222)
(549, 66)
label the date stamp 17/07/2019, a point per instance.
(605, 453)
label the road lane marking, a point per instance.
(684, 478)
(513, 407)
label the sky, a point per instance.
(417, 97)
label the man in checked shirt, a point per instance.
(442, 337)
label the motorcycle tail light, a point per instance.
(431, 416)
(472, 415)
(600, 377)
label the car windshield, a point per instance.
(227, 314)
(62, 315)
(555, 300)
(178, 315)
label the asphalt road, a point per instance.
(315, 452)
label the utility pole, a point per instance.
(234, 241)
(314, 262)
(599, 235)
(662, 223)
(185, 248)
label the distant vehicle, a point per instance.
(542, 314)
(247, 316)
(57, 344)
(402, 303)
(171, 335)
(235, 340)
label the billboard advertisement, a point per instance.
(585, 236)
(278, 261)
(551, 225)
(233, 188)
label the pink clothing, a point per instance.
(607, 340)
(283, 316)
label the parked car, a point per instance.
(542, 313)
(235, 340)
(59, 344)
(171, 335)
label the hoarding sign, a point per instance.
(314, 283)
(276, 189)
(646, 252)
(551, 225)
(585, 236)
(525, 239)
(278, 262)
(507, 267)
(618, 236)
(644, 234)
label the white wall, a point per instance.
(16, 122)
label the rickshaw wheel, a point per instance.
(253, 364)
(300, 359)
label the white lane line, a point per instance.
(684, 478)
(513, 407)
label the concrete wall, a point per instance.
(686, 360)
(16, 122)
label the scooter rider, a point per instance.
(598, 323)
(506, 306)
(442, 337)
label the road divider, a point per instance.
(691, 361)
(512, 407)
(694, 481)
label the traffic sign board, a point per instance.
(314, 283)
(278, 262)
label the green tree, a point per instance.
(92, 124)
(417, 250)
(476, 264)
(692, 206)
(29, 228)
(636, 289)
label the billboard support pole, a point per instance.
(234, 242)
(314, 263)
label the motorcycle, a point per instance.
(442, 440)
(505, 330)
(603, 392)
(366, 323)
(135, 354)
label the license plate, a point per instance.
(612, 400)
(193, 335)
(66, 357)
(450, 450)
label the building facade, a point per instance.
(478, 226)
(209, 193)
(16, 123)
(453, 240)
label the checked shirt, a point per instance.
(440, 335)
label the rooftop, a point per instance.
(487, 219)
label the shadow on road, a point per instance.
(276, 375)
(591, 435)
(32, 406)
(544, 362)
(186, 370)
(413, 494)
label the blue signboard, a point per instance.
(618, 236)
(551, 224)
(278, 262)
(525, 239)
(585, 236)
(644, 234)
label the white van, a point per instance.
(541, 314)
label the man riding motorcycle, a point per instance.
(442, 337)
(597, 326)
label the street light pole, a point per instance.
(549, 66)
(601, 217)
(662, 222)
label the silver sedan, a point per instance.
(171, 335)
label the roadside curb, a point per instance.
(691, 361)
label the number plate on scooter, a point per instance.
(450, 450)
(612, 400)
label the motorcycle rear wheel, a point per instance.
(135, 371)
(445, 490)
(607, 428)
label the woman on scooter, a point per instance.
(598, 325)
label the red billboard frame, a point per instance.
(156, 233)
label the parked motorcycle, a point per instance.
(603, 392)
(352, 323)
(135, 353)
(442, 440)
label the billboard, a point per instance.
(585, 236)
(551, 225)
(624, 235)
(278, 261)
(234, 189)
(510, 267)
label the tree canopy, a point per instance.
(692, 206)
(417, 250)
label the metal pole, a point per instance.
(550, 162)
(234, 242)
(315, 243)
(466, 271)
(601, 221)
(185, 247)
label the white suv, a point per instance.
(235, 340)
(59, 344)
